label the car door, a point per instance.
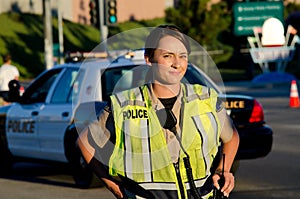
(22, 118)
(55, 116)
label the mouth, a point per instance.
(175, 72)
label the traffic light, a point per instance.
(94, 12)
(111, 12)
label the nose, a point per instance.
(176, 62)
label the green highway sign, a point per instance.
(248, 15)
(56, 52)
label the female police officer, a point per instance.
(160, 140)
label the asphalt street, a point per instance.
(276, 176)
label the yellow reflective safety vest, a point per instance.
(141, 152)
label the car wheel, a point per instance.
(6, 160)
(82, 174)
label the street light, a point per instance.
(111, 12)
(94, 12)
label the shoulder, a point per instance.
(9, 67)
(131, 93)
(14, 68)
(204, 92)
(200, 90)
(220, 105)
(132, 97)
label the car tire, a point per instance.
(83, 176)
(6, 159)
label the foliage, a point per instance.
(127, 38)
(204, 23)
(22, 36)
(199, 21)
(291, 7)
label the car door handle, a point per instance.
(34, 113)
(65, 114)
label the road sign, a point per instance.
(248, 15)
(56, 52)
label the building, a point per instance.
(79, 11)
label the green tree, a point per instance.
(205, 23)
(291, 7)
(200, 21)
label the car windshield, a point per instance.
(123, 78)
(99, 86)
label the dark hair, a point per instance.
(6, 58)
(161, 31)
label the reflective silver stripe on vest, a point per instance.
(198, 183)
(146, 151)
(170, 186)
(128, 149)
(191, 95)
(205, 144)
(159, 186)
(125, 102)
(144, 130)
(214, 125)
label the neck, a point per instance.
(166, 91)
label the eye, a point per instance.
(167, 55)
(183, 56)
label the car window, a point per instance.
(77, 85)
(193, 76)
(122, 78)
(38, 90)
(63, 90)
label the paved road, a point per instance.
(276, 176)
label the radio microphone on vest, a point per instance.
(168, 121)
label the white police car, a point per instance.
(44, 123)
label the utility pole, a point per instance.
(48, 41)
(60, 35)
(103, 28)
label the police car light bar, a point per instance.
(79, 56)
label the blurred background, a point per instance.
(77, 25)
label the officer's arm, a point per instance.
(229, 150)
(86, 149)
(98, 168)
(96, 135)
(92, 146)
(230, 139)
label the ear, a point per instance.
(148, 62)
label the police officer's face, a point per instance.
(169, 61)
